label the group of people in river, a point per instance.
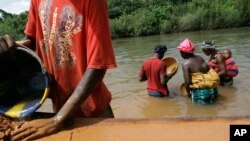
(201, 78)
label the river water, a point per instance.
(130, 98)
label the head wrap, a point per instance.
(186, 46)
(160, 49)
(208, 45)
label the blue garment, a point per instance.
(204, 96)
(155, 93)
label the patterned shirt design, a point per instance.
(59, 36)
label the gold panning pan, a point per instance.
(182, 90)
(172, 65)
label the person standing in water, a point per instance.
(154, 71)
(200, 80)
(216, 61)
(231, 66)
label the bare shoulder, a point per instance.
(219, 57)
(200, 58)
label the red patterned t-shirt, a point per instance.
(72, 36)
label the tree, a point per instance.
(13, 24)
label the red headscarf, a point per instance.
(186, 46)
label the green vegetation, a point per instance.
(147, 17)
(12, 24)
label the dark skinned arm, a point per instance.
(142, 75)
(27, 42)
(43, 127)
(7, 42)
(142, 78)
(221, 64)
(163, 80)
(187, 77)
(92, 78)
(167, 78)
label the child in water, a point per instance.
(231, 66)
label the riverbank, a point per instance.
(192, 129)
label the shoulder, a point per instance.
(149, 60)
(200, 58)
(186, 63)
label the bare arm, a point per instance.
(7, 42)
(221, 64)
(142, 75)
(92, 77)
(27, 42)
(163, 80)
(43, 127)
(187, 77)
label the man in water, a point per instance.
(154, 71)
(200, 81)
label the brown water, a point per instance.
(130, 99)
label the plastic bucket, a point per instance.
(23, 83)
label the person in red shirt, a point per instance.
(73, 40)
(154, 71)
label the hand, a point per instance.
(168, 77)
(35, 129)
(6, 42)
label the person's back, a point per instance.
(201, 74)
(197, 64)
(154, 71)
(153, 68)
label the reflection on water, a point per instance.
(130, 99)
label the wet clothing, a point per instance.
(231, 68)
(204, 96)
(225, 80)
(204, 86)
(72, 36)
(155, 93)
(213, 66)
(231, 71)
(205, 80)
(152, 69)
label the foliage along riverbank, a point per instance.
(147, 17)
(129, 18)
